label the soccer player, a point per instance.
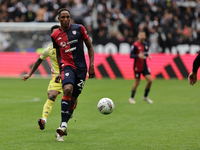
(193, 75)
(139, 51)
(68, 41)
(54, 89)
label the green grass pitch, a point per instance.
(171, 123)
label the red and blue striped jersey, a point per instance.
(136, 48)
(70, 44)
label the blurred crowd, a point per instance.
(166, 22)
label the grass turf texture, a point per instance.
(171, 123)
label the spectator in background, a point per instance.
(196, 27)
(41, 14)
(30, 14)
(78, 11)
(172, 19)
(34, 4)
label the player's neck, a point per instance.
(65, 28)
(141, 41)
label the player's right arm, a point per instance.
(133, 52)
(35, 66)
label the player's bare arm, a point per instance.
(149, 57)
(141, 56)
(90, 48)
(35, 66)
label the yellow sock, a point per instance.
(47, 108)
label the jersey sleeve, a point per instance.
(196, 64)
(133, 52)
(55, 45)
(44, 54)
(84, 34)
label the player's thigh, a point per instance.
(146, 73)
(148, 78)
(53, 86)
(67, 76)
(137, 75)
(79, 83)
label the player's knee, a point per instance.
(149, 81)
(68, 91)
(51, 97)
(137, 82)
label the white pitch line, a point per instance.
(35, 99)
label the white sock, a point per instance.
(64, 124)
(45, 120)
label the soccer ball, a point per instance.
(105, 106)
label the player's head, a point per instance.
(53, 28)
(141, 36)
(64, 17)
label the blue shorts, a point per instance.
(146, 71)
(74, 77)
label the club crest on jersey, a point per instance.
(74, 32)
(63, 44)
(67, 74)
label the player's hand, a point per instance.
(57, 79)
(91, 72)
(25, 77)
(141, 56)
(192, 77)
(150, 57)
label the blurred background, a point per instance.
(172, 26)
(167, 23)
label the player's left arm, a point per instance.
(90, 48)
(88, 43)
(146, 51)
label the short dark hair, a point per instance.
(54, 27)
(62, 9)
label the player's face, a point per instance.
(64, 19)
(141, 36)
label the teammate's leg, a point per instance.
(135, 85)
(147, 88)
